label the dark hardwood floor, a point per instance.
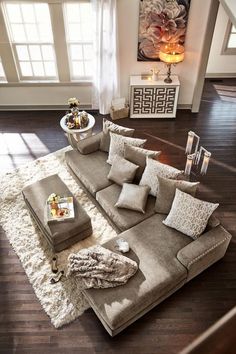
(168, 328)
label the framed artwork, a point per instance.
(160, 21)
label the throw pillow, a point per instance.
(133, 197)
(117, 145)
(166, 192)
(114, 128)
(189, 215)
(138, 156)
(152, 170)
(122, 171)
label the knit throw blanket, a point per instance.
(98, 267)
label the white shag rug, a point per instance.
(63, 302)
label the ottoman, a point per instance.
(62, 234)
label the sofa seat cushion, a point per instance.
(154, 247)
(122, 218)
(91, 169)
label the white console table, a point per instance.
(153, 99)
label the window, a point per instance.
(229, 46)
(30, 32)
(2, 73)
(232, 38)
(78, 20)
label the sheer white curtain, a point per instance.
(106, 61)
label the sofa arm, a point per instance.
(204, 251)
(90, 144)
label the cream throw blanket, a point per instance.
(98, 267)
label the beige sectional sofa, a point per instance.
(167, 258)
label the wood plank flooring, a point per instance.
(168, 328)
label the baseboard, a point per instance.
(220, 75)
(62, 107)
(184, 106)
(41, 107)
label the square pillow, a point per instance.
(152, 170)
(166, 192)
(189, 215)
(117, 145)
(138, 156)
(122, 171)
(133, 197)
(114, 128)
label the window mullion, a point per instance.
(6, 52)
(58, 29)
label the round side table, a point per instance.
(75, 135)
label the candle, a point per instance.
(188, 165)
(205, 162)
(189, 142)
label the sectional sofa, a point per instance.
(167, 258)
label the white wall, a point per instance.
(219, 64)
(55, 96)
(128, 16)
(128, 12)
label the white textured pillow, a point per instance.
(114, 128)
(189, 215)
(153, 169)
(117, 145)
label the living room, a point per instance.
(120, 117)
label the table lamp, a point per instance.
(171, 53)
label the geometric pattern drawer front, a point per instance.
(153, 100)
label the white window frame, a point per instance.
(61, 50)
(3, 78)
(14, 44)
(225, 49)
(34, 77)
(68, 43)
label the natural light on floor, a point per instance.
(17, 149)
(226, 93)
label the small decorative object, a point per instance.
(57, 277)
(84, 120)
(119, 109)
(73, 102)
(59, 208)
(123, 246)
(155, 74)
(54, 266)
(195, 157)
(171, 54)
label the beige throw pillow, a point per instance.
(189, 215)
(117, 145)
(152, 170)
(138, 156)
(114, 128)
(166, 192)
(133, 197)
(122, 171)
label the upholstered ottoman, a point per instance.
(62, 234)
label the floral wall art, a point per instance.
(161, 21)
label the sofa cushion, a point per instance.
(122, 218)
(115, 128)
(154, 246)
(189, 215)
(166, 192)
(117, 145)
(138, 156)
(84, 165)
(133, 197)
(122, 171)
(155, 168)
